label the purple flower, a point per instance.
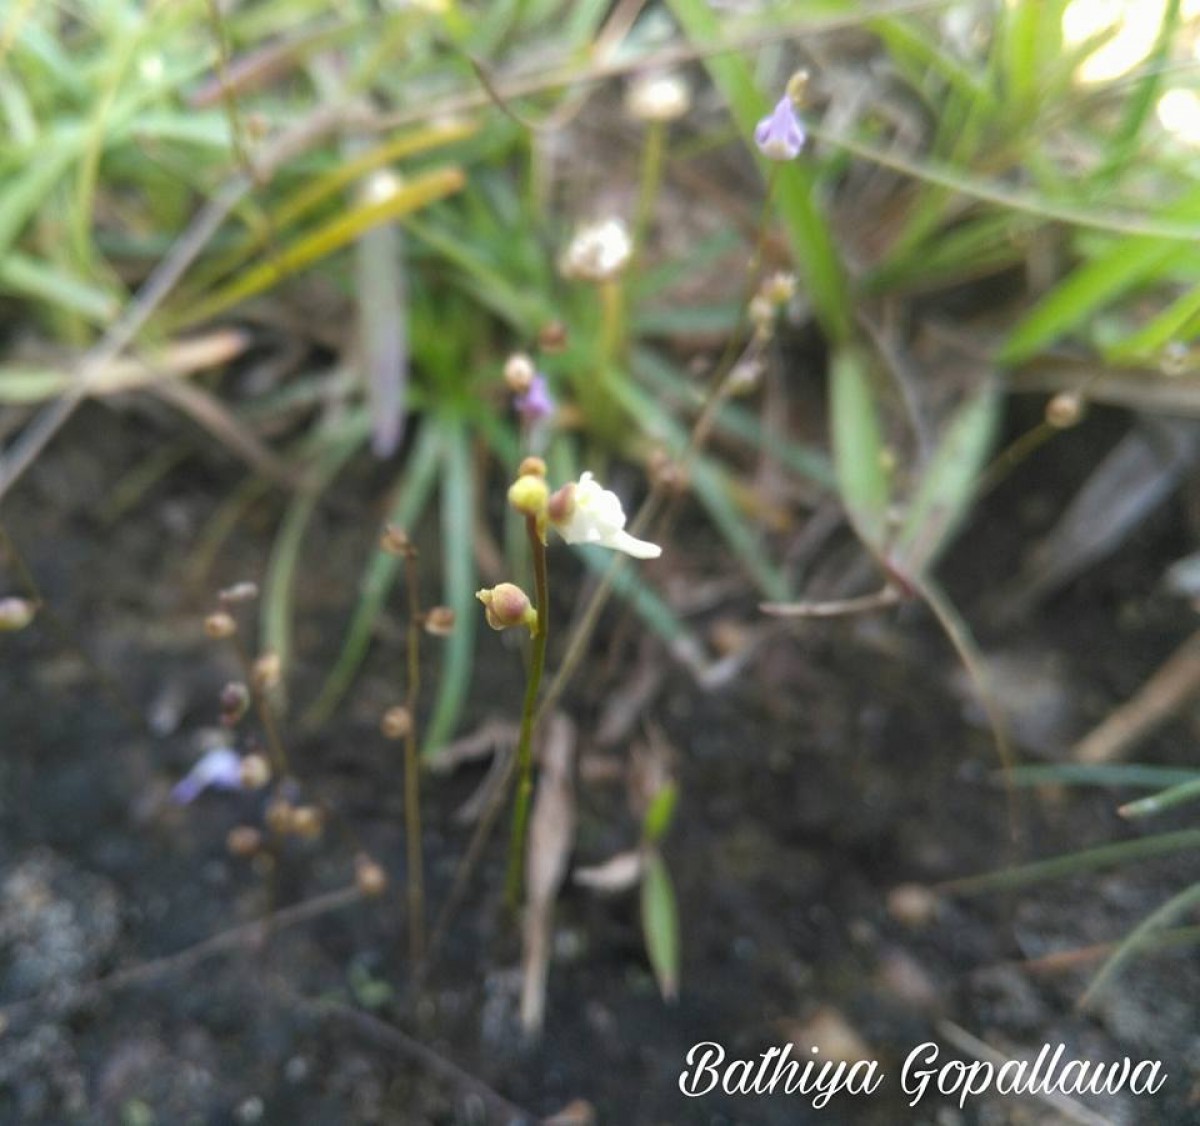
(535, 404)
(779, 135)
(220, 768)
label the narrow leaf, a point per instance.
(660, 925)
(859, 454)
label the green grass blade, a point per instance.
(943, 498)
(333, 235)
(794, 183)
(1130, 262)
(660, 925)
(629, 585)
(416, 482)
(733, 420)
(1178, 321)
(458, 562)
(657, 821)
(1176, 795)
(1143, 935)
(1076, 863)
(1102, 774)
(858, 450)
(710, 485)
(279, 584)
(40, 280)
(1140, 106)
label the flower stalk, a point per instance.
(529, 715)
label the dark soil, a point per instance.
(845, 762)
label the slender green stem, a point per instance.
(412, 769)
(653, 152)
(537, 664)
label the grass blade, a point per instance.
(943, 498)
(458, 561)
(858, 449)
(312, 247)
(1141, 936)
(795, 183)
(660, 925)
(416, 481)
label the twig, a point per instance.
(392, 1037)
(973, 1046)
(1156, 701)
(63, 1001)
(835, 608)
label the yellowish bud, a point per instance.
(797, 87)
(220, 625)
(266, 673)
(396, 723)
(369, 876)
(532, 467)
(307, 822)
(16, 613)
(256, 772)
(1064, 410)
(528, 494)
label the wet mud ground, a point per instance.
(846, 761)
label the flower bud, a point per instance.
(220, 625)
(797, 87)
(658, 97)
(528, 494)
(518, 373)
(761, 311)
(16, 613)
(278, 815)
(243, 840)
(396, 722)
(256, 772)
(552, 337)
(235, 700)
(395, 541)
(506, 605)
(598, 252)
(532, 467)
(306, 822)
(779, 288)
(439, 621)
(369, 876)
(266, 673)
(1064, 410)
(561, 504)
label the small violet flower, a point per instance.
(220, 769)
(779, 135)
(535, 403)
(585, 512)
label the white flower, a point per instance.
(598, 252)
(592, 514)
(658, 97)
